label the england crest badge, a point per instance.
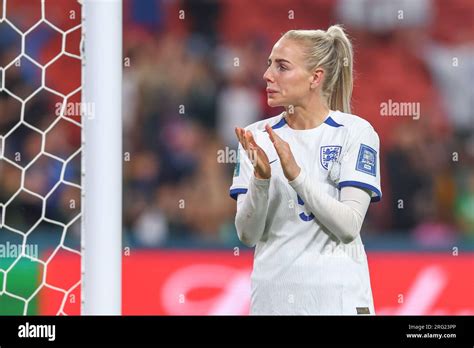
(329, 154)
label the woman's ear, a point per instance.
(317, 78)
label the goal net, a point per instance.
(40, 156)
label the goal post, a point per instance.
(54, 154)
(102, 157)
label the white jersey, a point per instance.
(300, 267)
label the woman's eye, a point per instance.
(282, 67)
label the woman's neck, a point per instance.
(301, 118)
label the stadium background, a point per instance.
(187, 83)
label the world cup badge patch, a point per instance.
(329, 154)
(367, 160)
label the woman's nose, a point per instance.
(267, 75)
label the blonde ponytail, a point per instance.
(330, 50)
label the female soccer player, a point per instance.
(304, 181)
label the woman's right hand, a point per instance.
(257, 156)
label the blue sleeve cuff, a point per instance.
(234, 193)
(363, 185)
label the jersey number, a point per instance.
(303, 216)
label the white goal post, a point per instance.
(39, 163)
(102, 158)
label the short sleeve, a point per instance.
(360, 166)
(242, 173)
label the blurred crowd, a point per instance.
(193, 71)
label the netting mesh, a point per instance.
(40, 156)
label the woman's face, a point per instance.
(288, 80)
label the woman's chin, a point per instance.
(272, 103)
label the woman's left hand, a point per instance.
(288, 162)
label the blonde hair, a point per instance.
(330, 50)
